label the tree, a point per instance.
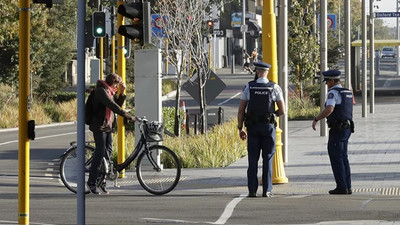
(335, 50)
(9, 42)
(381, 32)
(183, 29)
(303, 47)
(53, 40)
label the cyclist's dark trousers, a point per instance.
(103, 141)
(337, 149)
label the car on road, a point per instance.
(388, 52)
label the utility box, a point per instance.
(214, 116)
(148, 96)
(94, 70)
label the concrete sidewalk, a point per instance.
(374, 155)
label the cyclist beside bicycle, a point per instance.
(103, 123)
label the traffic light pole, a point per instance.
(23, 152)
(121, 72)
(101, 41)
(81, 114)
(324, 61)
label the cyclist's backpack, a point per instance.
(89, 109)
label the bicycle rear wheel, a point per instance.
(69, 167)
(158, 170)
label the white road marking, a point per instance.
(297, 196)
(365, 203)
(229, 209)
(39, 138)
(222, 219)
(230, 98)
(157, 220)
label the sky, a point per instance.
(385, 6)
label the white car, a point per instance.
(388, 52)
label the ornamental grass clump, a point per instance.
(220, 147)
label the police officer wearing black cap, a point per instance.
(259, 97)
(339, 113)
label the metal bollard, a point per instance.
(187, 122)
(233, 64)
(377, 64)
(220, 115)
(196, 120)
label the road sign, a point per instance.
(236, 19)
(331, 20)
(157, 25)
(212, 89)
(387, 14)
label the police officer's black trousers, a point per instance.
(261, 136)
(103, 141)
(337, 150)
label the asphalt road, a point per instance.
(189, 203)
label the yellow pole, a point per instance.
(270, 55)
(113, 54)
(101, 58)
(23, 146)
(121, 72)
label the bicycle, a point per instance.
(158, 169)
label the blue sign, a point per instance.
(387, 14)
(330, 21)
(236, 19)
(157, 25)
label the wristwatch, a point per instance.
(239, 127)
(315, 119)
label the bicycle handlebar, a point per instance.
(141, 119)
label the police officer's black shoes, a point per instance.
(338, 191)
(268, 194)
(349, 191)
(252, 195)
(93, 189)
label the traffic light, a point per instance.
(210, 23)
(140, 29)
(99, 24)
(210, 26)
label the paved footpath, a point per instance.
(374, 155)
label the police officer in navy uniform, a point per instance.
(259, 97)
(339, 113)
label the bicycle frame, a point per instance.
(138, 149)
(142, 146)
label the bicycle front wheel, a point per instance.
(69, 166)
(158, 170)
